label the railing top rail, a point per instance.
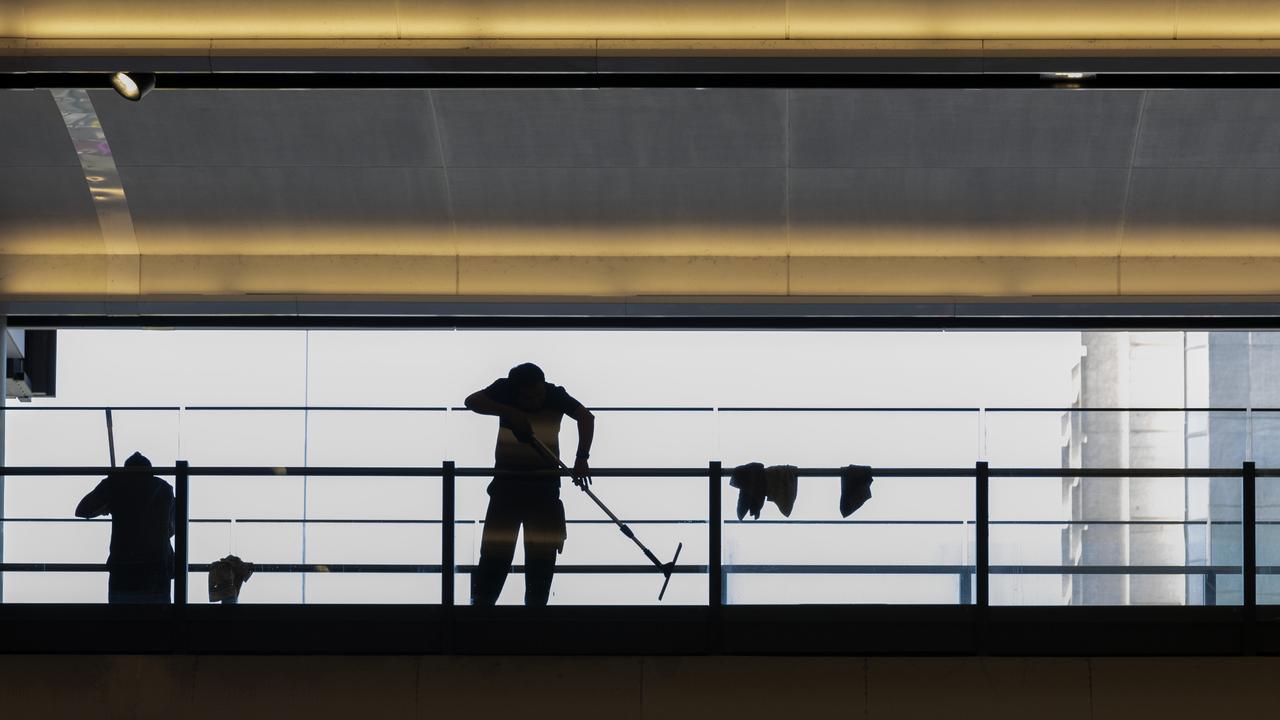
(641, 408)
(663, 521)
(660, 472)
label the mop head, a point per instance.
(667, 570)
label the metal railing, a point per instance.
(974, 579)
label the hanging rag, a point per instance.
(756, 483)
(855, 488)
(750, 481)
(781, 485)
(226, 576)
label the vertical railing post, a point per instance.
(715, 559)
(448, 565)
(982, 548)
(715, 538)
(181, 511)
(1249, 550)
(448, 553)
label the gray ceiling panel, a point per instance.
(977, 197)
(612, 128)
(267, 128)
(32, 131)
(962, 128)
(1211, 128)
(1205, 197)
(221, 197)
(46, 197)
(656, 159)
(596, 196)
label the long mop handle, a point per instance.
(665, 568)
(111, 438)
(621, 525)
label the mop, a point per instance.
(665, 568)
(111, 438)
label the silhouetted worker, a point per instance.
(527, 406)
(141, 510)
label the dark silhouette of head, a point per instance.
(531, 386)
(137, 460)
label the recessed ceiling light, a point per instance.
(1066, 76)
(133, 86)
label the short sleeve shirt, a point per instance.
(510, 453)
(141, 523)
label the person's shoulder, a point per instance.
(561, 397)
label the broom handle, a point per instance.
(111, 438)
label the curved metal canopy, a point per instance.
(534, 192)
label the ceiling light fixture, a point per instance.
(133, 86)
(1069, 80)
(1067, 76)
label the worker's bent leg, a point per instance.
(497, 547)
(544, 535)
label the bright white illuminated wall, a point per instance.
(694, 370)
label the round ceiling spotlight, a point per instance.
(133, 86)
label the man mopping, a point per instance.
(522, 493)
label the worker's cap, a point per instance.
(137, 460)
(527, 374)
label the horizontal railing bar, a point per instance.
(1115, 570)
(362, 568)
(437, 471)
(742, 568)
(652, 521)
(641, 408)
(319, 408)
(97, 408)
(1115, 472)
(816, 409)
(970, 570)
(355, 568)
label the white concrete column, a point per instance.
(1103, 384)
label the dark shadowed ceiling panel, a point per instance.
(613, 128)
(32, 131)
(975, 199)
(962, 128)
(46, 210)
(290, 210)
(1211, 128)
(1206, 199)
(266, 128)
(634, 191)
(606, 197)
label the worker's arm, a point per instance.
(95, 503)
(586, 432)
(514, 418)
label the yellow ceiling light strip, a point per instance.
(1126, 20)
(339, 271)
(631, 48)
(364, 276)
